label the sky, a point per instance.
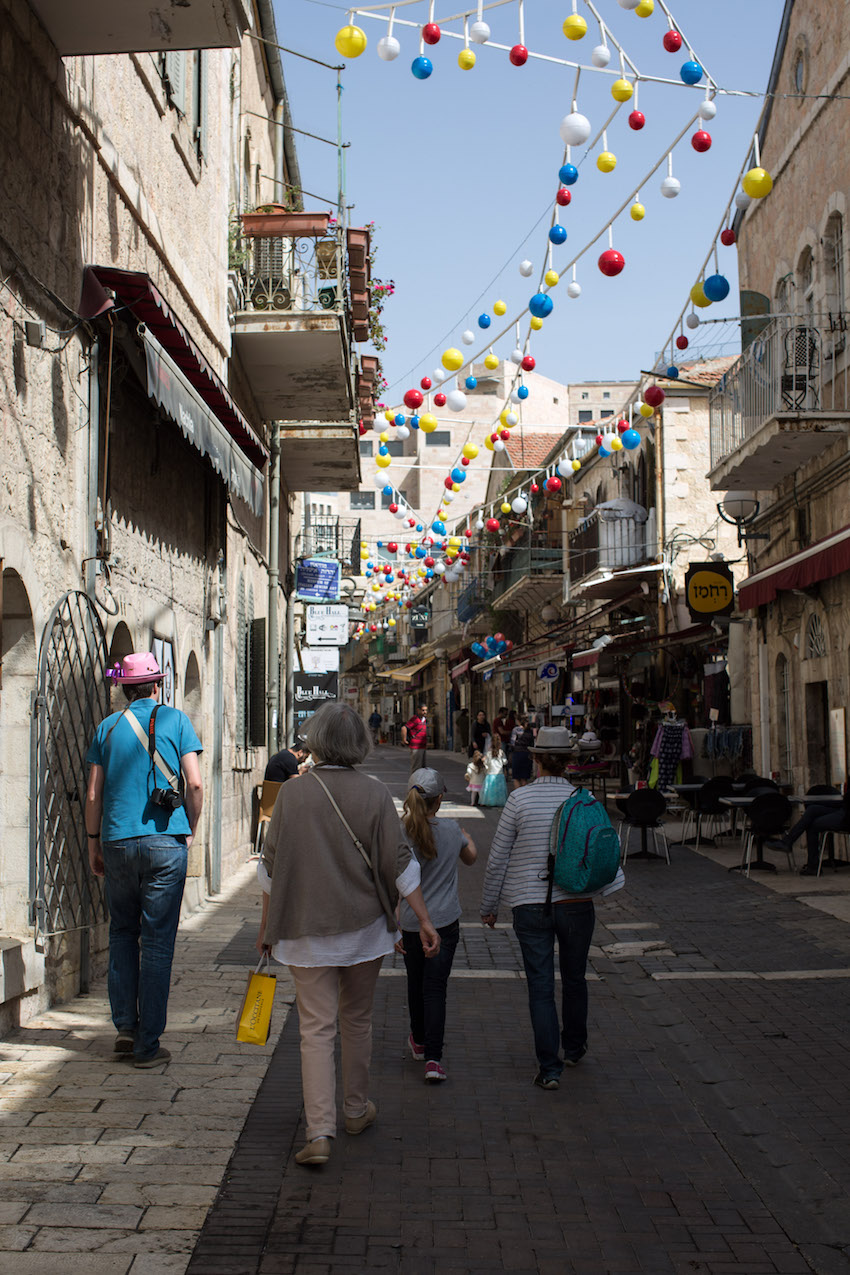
(459, 173)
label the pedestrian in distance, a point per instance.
(287, 762)
(475, 776)
(330, 892)
(462, 730)
(517, 874)
(143, 803)
(438, 844)
(522, 765)
(375, 720)
(414, 735)
(481, 734)
(495, 790)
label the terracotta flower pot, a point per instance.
(273, 220)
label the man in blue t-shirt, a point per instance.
(143, 803)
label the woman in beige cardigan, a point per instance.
(330, 916)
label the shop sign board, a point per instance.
(420, 617)
(709, 590)
(317, 580)
(547, 671)
(312, 690)
(327, 625)
(320, 659)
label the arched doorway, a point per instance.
(192, 692)
(18, 664)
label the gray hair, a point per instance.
(337, 736)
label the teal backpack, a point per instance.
(584, 849)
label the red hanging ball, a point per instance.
(653, 395)
(622, 426)
(672, 41)
(598, 440)
(563, 197)
(392, 546)
(393, 508)
(464, 460)
(413, 399)
(727, 237)
(493, 437)
(701, 140)
(611, 262)
(361, 428)
(440, 400)
(448, 483)
(492, 524)
(682, 342)
(504, 434)
(519, 55)
(637, 119)
(431, 33)
(428, 562)
(528, 364)
(553, 484)
(534, 489)
(468, 532)
(425, 382)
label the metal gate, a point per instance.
(72, 700)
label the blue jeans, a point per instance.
(818, 819)
(537, 927)
(427, 982)
(144, 889)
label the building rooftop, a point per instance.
(531, 450)
(703, 371)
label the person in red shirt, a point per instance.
(414, 735)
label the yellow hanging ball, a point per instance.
(455, 542)
(455, 486)
(470, 451)
(499, 308)
(382, 461)
(427, 423)
(491, 361)
(575, 27)
(616, 444)
(350, 41)
(385, 438)
(646, 410)
(757, 183)
(698, 296)
(364, 544)
(376, 588)
(621, 90)
(391, 620)
(607, 162)
(503, 418)
(466, 59)
(506, 506)
(645, 9)
(535, 323)
(551, 278)
(452, 359)
(637, 212)
(389, 416)
(488, 443)
(576, 466)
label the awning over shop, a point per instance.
(615, 583)
(821, 561)
(460, 669)
(486, 664)
(408, 671)
(585, 659)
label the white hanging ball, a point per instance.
(450, 577)
(565, 467)
(526, 268)
(402, 431)
(692, 321)
(670, 187)
(742, 201)
(380, 479)
(515, 398)
(388, 48)
(573, 289)
(628, 4)
(519, 505)
(456, 400)
(439, 374)
(575, 129)
(511, 420)
(607, 440)
(517, 355)
(479, 526)
(479, 33)
(498, 446)
(707, 109)
(440, 568)
(601, 55)
(467, 337)
(448, 496)
(399, 514)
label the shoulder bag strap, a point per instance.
(389, 912)
(149, 744)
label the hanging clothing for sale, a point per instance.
(672, 745)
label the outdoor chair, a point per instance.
(644, 808)
(686, 804)
(800, 372)
(267, 795)
(768, 816)
(709, 812)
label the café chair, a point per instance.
(267, 795)
(644, 808)
(710, 814)
(767, 817)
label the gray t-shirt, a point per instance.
(439, 877)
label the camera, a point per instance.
(167, 798)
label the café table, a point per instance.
(759, 864)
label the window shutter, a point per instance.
(175, 75)
(202, 71)
(257, 685)
(241, 663)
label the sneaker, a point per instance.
(547, 1082)
(316, 1152)
(434, 1072)
(162, 1055)
(124, 1043)
(417, 1051)
(573, 1060)
(356, 1124)
(779, 843)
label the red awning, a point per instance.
(821, 561)
(460, 669)
(585, 659)
(137, 292)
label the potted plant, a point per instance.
(275, 220)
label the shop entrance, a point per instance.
(817, 732)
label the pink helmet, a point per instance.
(138, 667)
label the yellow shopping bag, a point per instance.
(255, 1016)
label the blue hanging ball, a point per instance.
(477, 648)
(383, 450)
(429, 573)
(386, 491)
(716, 287)
(691, 72)
(603, 451)
(414, 422)
(501, 647)
(399, 418)
(419, 527)
(422, 68)
(630, 439)
(673, 372)
(388, 577)
(380, 542)
(522, 392)
(439, 527)
(421, 551)
(541, 304)
(568, 174)
(471, 382)
(557, 234)
(458, 475)
(484, 320)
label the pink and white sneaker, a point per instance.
(434, 1072)
(417, 1051)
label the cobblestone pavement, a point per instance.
(705, 1132)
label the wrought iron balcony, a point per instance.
(333, 537)
(472, 600)
(530, 574)
(609, 545)
(781, 404)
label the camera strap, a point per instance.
(148, 742)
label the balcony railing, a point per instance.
(600, 544)
(526, 561)
(472, 600)
(298, 274)
(334, 537)
(797, 364)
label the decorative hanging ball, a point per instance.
(456, 400)
(553, 484)
(551, 278)
(630, 439)
(727, 237)
(628, 4)
(541, 305)
(428, 423)
(479, 33)
(653, 395)
(528, 364)
(670, 187)
(491, 361)
(616, 444)
(757, 183)
(458, 475)
(505, 435)
(467, 337)
(388, 48)
(464, 460)
(383, 461)
(601, 56)
(622, 426)
(522, 393)
(471, 382)
(518, 55)
(563, 467)
(637, 212)
(421, 67)
(389, 415)
(440, 400)
(402, 432)
(492, 524)
(425, 382)
(526, 268)
(563, 197)
(484, 321)
(690, 72)
(701, 141)
(431, 33)
(452, 359)
(645, 9)
(505, 507)
(573, 290)
(470, 451)
(637, 119)
(519, 505)
(646, 410)
(622, 90)
(535, 324)
(448, 482)
(350, 41)
(399, 419)
(575, 27)
(707, 109)
(392, 547)
(361, 429)
(557, 234)
(716, 287)
(509, 419)
(606, 162)
(567, 176)
(534, 489)
(466, 61)
(697, 295)
(609, 440)
(488, 443)
(575, 130)
(682, 342)
(498, 446)
(412, 399)
(673, 372)
(499, 308)
(611, 262)
(516, 355)
(742, 201)
(385, 438)
(575, 466)
(672, 41)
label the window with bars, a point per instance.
(784, 724)
(833, 262)
(817, 644)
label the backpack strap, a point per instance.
(554, 839)
(149, 744)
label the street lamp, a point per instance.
(740, 509)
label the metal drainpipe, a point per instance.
(661, 533)
(94, 456)
(279, 189)
(290, 666)
(272, 671)
(214, 822)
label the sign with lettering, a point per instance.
(709, 590)
(327, 626)
(317, 580)
(419, 617)
(311, 690)
(320, 659)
